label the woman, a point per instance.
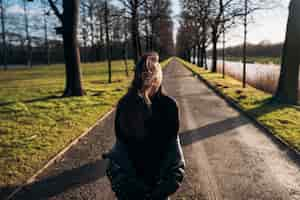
(147, 161)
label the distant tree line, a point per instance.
(204, 22)
(87, 31)
(263, 49)
(29, 31)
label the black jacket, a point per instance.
(147, 160)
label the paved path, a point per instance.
(227, 157)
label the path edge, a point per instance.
(59, 155)
(69, 146)
(279, 141)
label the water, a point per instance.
(261, 76)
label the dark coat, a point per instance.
(147, 159)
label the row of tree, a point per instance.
(29, 30)
(203, 22)
(93, 25)
(263, 49)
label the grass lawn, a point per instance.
(35, 123)
(283, 120)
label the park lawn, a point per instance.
(283, 120)
(36, 123)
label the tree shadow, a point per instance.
(33, 100)
(221, 127)
(211, 130)
(57, 184)
(267, 106)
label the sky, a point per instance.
(268, 25)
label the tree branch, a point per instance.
(56, 11)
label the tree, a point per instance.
(89, 8)
(69, 21)
(28, 36)
(184, 37)
(225, 12)
(245, 43)
(165, 37)
(84, 32)
(46, 42)
(3, 34)
(250, 6)
(108, 45)
(287, 90)
(133, 10)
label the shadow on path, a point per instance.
(54, 185)
(221, 127)
(211, 130)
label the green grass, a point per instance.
(261, 60)
(283, 120)
(35, 123)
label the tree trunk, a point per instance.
(194, 54)
(71, 51)
(125, 55)
(101, 40)
(108, 46)
(91, 16)
(84, 35)
(147, 37)
(287, 90)
(134, 36)
(223, 52)
(202, 54)
(28, 37)
(214, 51)
(245, 44)
(3, 35)
(205, 59)
(47, 50)
(199, 54)
(140, 52)
(125, 51)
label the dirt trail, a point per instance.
(228, 158)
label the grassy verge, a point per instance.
(261, 60)
(283, 120)
(35, 123)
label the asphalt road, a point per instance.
(227, 157)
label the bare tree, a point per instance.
(287, 90)
(245, 43)
(28, 36)
(185, 37)
(221, 19)
(84, 33)
(46, 14)
(3, 34)
(89, 9)
(133, 10)
(69, 21)
(251, 6)
(108, 45)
